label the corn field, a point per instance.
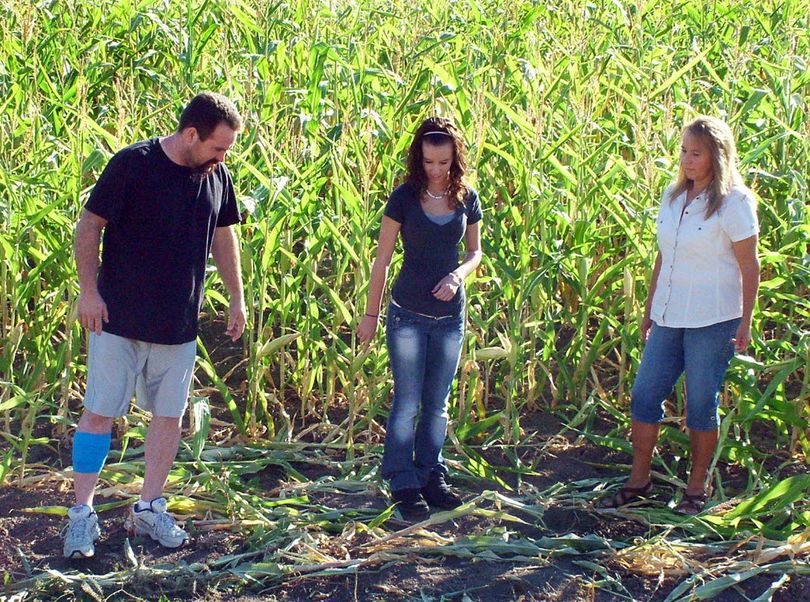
(572, 113)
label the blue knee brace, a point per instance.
(89, 451)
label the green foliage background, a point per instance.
(572, 113)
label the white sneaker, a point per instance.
(157, 524)
(81, 532)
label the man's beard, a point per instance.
(202, 171)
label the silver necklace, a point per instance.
(436, 196)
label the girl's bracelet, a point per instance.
(373, 315)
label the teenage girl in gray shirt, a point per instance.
(433, 211)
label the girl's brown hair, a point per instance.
(437, 131)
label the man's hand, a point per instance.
(92, 311)
(237, 316)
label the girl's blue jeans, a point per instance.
(423, 353)
(702, 353)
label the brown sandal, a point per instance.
(626, 495)
(692, 503)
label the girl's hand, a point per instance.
(742, 339)
(367, 329)
(447, 287)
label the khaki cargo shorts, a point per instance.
(158, 375)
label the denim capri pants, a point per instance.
(702, 353)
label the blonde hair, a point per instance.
(717, 136)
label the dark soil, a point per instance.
(35, 537)
(30, 542)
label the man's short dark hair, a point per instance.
(206, 111)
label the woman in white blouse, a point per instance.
(702, 293)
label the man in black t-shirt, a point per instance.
(163, 205)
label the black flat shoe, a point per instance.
(438, 493)
(411, 506)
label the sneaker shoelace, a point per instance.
(77, 531)
(165, 525)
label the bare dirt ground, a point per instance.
(30, 542)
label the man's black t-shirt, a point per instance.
(161, 218)
(431, 251)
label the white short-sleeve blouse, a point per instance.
(699, 283)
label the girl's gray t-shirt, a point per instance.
(431, 249)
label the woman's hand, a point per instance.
(742, 339)
(367, 329)
(447, 287)
(646, 325)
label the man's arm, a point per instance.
(225, 250)
(92, 309)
